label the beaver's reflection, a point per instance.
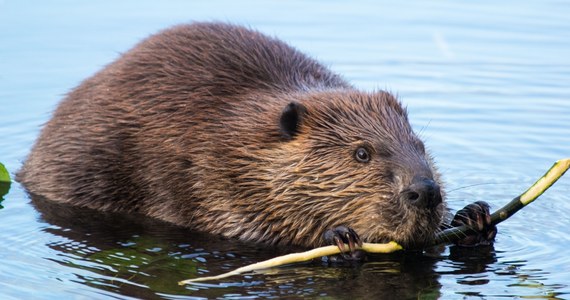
(131, 254)
(138, 256)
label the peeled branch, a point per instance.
(446, 236)
(298, 257)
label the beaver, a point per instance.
(225, 130)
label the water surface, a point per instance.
(486, 84)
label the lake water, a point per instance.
(487, 84)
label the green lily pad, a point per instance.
(4, 175)
(4, 183)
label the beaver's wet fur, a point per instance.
(225, 130)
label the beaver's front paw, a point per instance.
(477, 216)
(342, 236)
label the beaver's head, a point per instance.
(352, 159)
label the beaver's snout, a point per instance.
(422, 192)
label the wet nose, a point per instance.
(423, 192)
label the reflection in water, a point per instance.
(472, 260)
(4, 189)
(479, 267)
(142, 257)
(395, 276)
(111, 247)
(127, 254)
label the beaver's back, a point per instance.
(122, 139)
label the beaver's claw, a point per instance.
(342, 236)
(477, 216)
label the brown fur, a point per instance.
(185, 128)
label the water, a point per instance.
(486, 84)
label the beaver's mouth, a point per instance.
(420, 229)
(420, 213)
(410, 217)
(410, 227)
(418, 241)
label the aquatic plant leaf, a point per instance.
(4, 175)
(4, 183)
(4, 188)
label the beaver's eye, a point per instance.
(361, 154)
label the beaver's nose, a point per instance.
(423, 192)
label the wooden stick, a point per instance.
(446, 236)
(298, 257)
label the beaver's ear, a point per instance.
(291, 119)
